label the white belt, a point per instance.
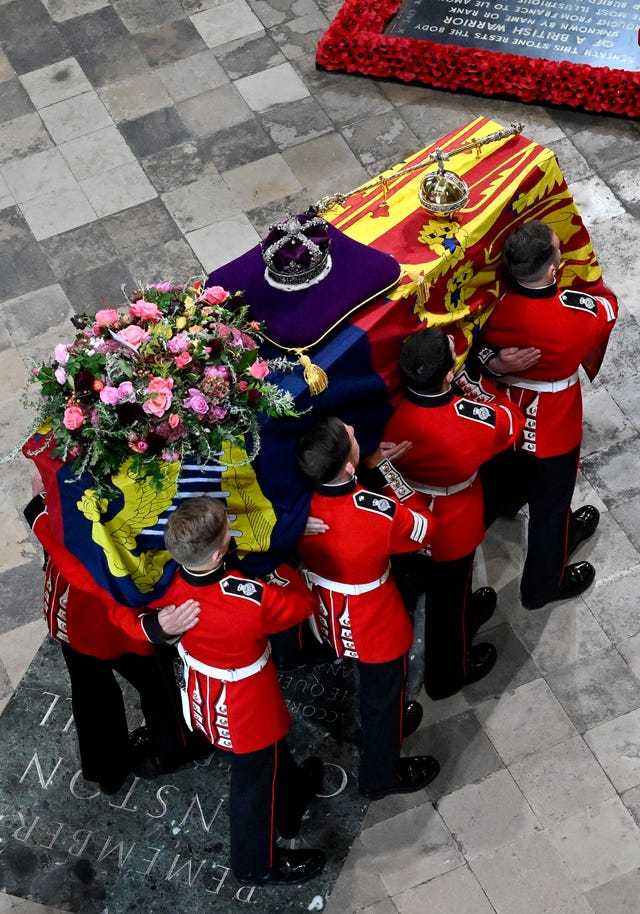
(351, 589)
(215, 672)
(546, 386)
(442, 490)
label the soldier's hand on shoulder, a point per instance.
(175, 620)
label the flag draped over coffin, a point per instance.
(450, 277)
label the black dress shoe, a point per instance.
(412, 773)
(309, 785)
(411, 717)
(481, 659)
(481, 607)
(290, 867)
(575, 580)
(583, 523)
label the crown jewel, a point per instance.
(296, 252)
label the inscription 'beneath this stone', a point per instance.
(600, 33)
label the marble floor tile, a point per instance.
(133, 97)
(275, 86)
(235, 146)
(261, 182)
(14, 101)
(463, 749)
(630, 650)
(96, 152)
(217, 244)
(226, 22)
(248, 55)
(597, 844)
(454, 892)
(627, 516)
(616, 896)
(152, 132)
(513, 668)
(55, 83)
(61, 10)
(75, 117)
(295, 123)
(525, 721)
(173, 41)
(614, 471)
(358, 885)
(201, 203)
(185, 78)
(527, 876)
(173, 261)
(300, 36)
(37, 175)
(216, 110)
(141, 228)
(411, 848)
(386, 136)
(88, 290)
(609, 602)
(559, 636)
(616, 745)
(24, 317)
(604, 421)
(23, 136)
(322, 159)
(58, 212)
(177, 166)
(19, 646)
(559, 780)
(118, 189)
(487, 815)
(139, 15)
(596, 689)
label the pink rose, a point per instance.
(163, 286)
(170, 456)
(259, 370)
(196, 401)
(138, 445)
(126, 392)
(110, 395)
(178, 344)
(174, 420)
(60, 375)
(214, 295)
(183, 359)
(161, 396)
(61, 354)
(73, 417)
(134, 335)
(217, 371)
(107, 316)
(145, 310)
(35, 372)
(217, 412)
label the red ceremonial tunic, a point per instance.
(76, 616)
(567, 326)
(365, 528)
(452, 436)
(237, 615)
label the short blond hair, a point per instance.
(195, 530)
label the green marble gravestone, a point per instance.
(160, 844)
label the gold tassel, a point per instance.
(315, 377)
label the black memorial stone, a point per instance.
(161, 843)
(599, 33)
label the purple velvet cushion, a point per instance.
(299, 318)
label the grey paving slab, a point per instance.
(96, 153)
(154, 131)
(245, 56)
(216, 110)
(596, 689)
(58, 211)
(140, 15)
(61, 10)
(297, 122)
(197, 74)
(141, 228)
(617, 895)
(89, 289)
(55, 83)
(133, 97)
(201, 203)
(174, 41)
(14, 100)
(277, 85)
(387, 133)
(23, 136)
(72, 252)
(235, 146)
(226, 22)
(178, 165)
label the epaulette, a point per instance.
(241, 587)
(370, 501)
(477, 412)
(579, 301)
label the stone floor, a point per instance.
(147, 139)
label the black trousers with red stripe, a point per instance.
(548, 484)
(448, 592)
(100, 717)
(266, 793)
(381, 700)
